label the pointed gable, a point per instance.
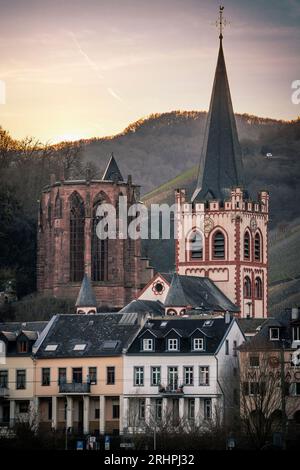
(176, 296)
(112, 172)
(220, 166)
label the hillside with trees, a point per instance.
(161, 152)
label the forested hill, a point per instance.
(161, 152)
(161, 146)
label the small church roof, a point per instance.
(112, 172)
(197, 292)
(176, 296)
(86, 296)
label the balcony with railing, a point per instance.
(74, 388)
(4, 392)
(171, 390)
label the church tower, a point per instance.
(69, 250)
(222, 233)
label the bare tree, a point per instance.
(260, 395)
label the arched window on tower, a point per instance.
(258, 288)
(219, 245)
(257, 247)
(247, 287)
(247, 246)
(77, 221)
(99, 246)
(196, 246)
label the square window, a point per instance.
(110, 376)
(21, 379)
(173, 344)
(62, 375)
(3, 378)
(198, 344)
(274, 334)
(203, 375)
(116, 411)
(254, 361)
(147, 344)
(45, 376)
(191, 408)
(138, 376)
(23, 406)
(155, 375)
(188, 375)
(23, 347)
(92, 375)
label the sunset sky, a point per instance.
(84, 68)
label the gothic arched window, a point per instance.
(258, 288)
(77, 221)
(196, 246)
(257, 247)
(219, 245)
(99, 247)
(247, 245)
(247, 287)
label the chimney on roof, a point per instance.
(227, 318)
(295, 313)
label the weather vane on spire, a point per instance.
(221, 22)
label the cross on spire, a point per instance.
(221, 22)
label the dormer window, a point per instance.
(23, 347)
(274, 334)
(198, 344)
(173, 344)
(147, 344)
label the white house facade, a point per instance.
(182, 373)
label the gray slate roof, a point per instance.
(251, 325)
(26, 327)
(176, 296)
(86, 296)
(112, 172)
(220, 166)
(92, 330)
(184, 329)
(144, 306)
(196, 291)
(284, 322)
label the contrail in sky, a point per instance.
(93, 66)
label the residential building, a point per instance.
(17, 372)
(181, 371)
(270, 371)
(79, 371)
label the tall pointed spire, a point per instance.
(220, 166)
(112, 172)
